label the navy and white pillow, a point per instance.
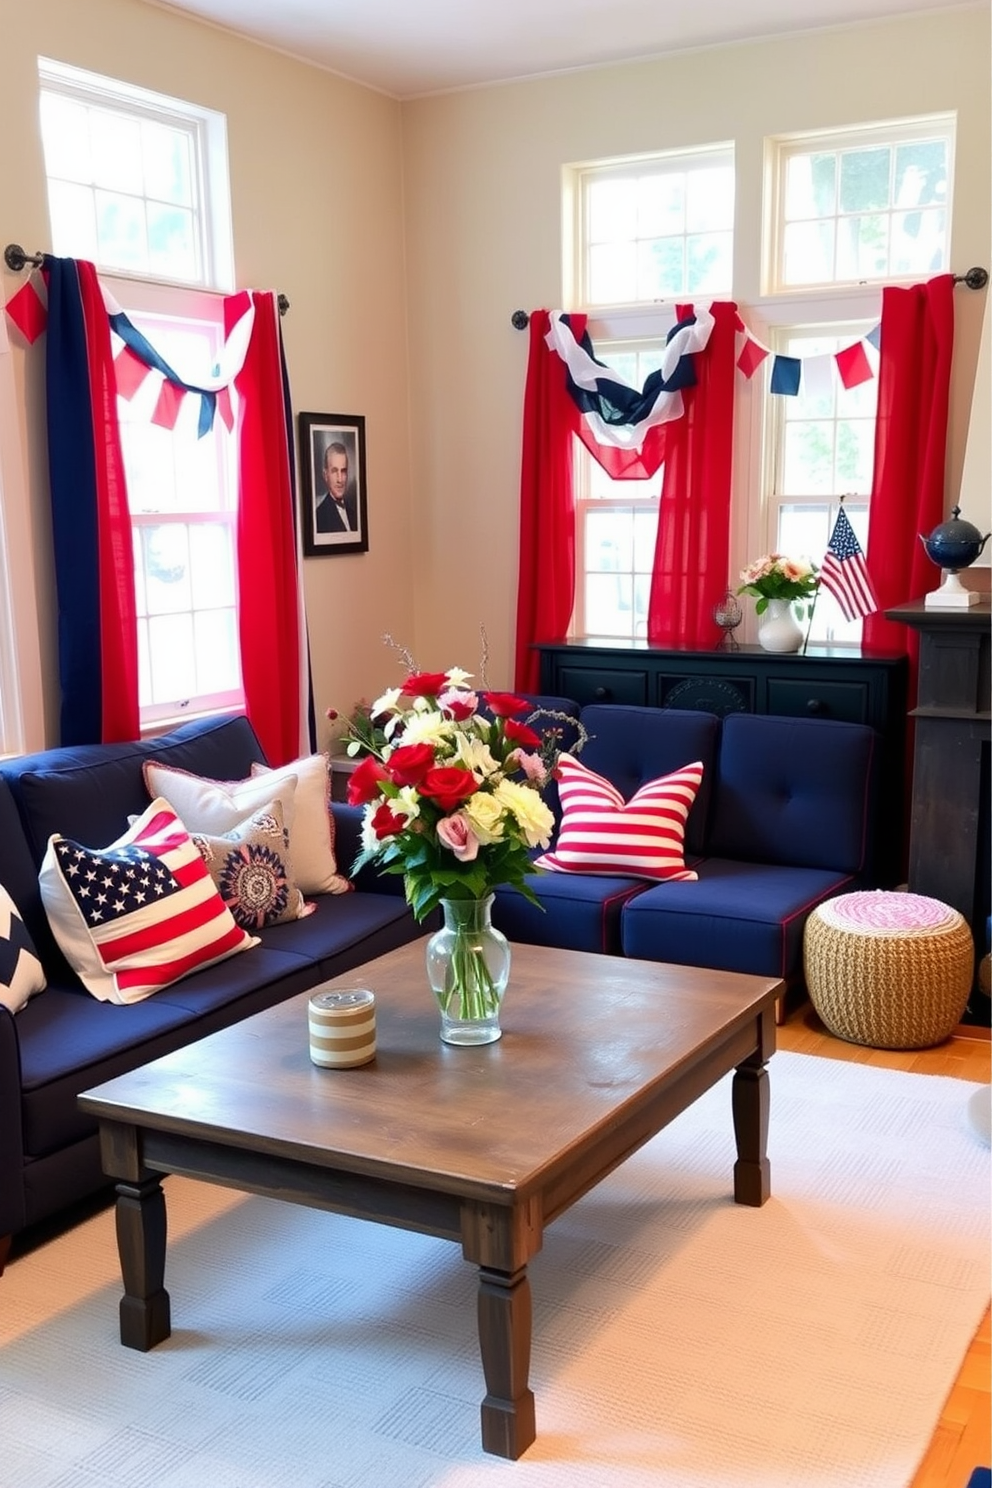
(21, 975)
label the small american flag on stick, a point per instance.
(844, 573)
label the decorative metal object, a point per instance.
(953, 545)
(728, 615)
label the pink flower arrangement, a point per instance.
(775, 576)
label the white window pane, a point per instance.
(66, 135)
(612, 273)
(609, 541)
(919, 242)
(608, 604)
(808, 249)
(855, 455)
(140, 595)
(660, 268)
(661, 205)
(73, 215)
(116, 143)
(166, 561)
(211, 551)
(642, 597)
(612, 210)
(645, 538)
(865, 180)
(170, 645)
(168, 164)
(172, 242)
(862, 247)
(121, 231)
(710, 200)
(810, 186)
(148, 465)
(809, 458)
(218, 668)
(710, 262)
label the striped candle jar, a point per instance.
(342, 1028)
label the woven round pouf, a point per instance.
(889, 970)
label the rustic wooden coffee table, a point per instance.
(485, 1145)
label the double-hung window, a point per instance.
(645, 232)
(138, 184)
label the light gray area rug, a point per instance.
(680, 1341)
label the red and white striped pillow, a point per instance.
(141, 913)
(640, 838)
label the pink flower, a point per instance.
(455, 833)
(457, 703)
(531, 764)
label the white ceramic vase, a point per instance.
(778, 628)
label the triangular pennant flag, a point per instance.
(751, 357)
(875, 336)
(130, 372)
(853, 365)
(786, 372)
(224, 407)
(167, 408)
(28, 312)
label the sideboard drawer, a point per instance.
(816, 698)
(603, 685)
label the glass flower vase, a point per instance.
(468, 966)
(778, 628)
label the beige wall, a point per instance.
(483, 174)
(404, 237)
(316, 180)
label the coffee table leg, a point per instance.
(750, 1102)
(504, 1307)
(141, 1234)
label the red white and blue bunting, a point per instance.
(852, 365)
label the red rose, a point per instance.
(448, 786)
(409, 764)
(424, 684)
(521, 734)
(363, 786)
(502, 704)
(386, 822)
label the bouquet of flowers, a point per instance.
(776, 577)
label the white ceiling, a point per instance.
(410, 47)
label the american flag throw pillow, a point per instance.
(133, 917)
(640, 838)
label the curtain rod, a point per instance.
(976, 278)
(16, 259)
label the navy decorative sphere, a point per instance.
(954, 544)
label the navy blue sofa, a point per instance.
(64, 1040)
(782, 821)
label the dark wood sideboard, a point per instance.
(826, 682)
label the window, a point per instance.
(182, 495)
(653, 228)
(865, 204)
(137, 181)
(821, 443)
(616, 525)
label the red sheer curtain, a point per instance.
(692, 551)
(268, 614)
(907, 498)
(546, 586)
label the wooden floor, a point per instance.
(963, 1439)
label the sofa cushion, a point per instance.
(21, 974)
(630, 746)
(600, 832)
(793, 790)
(205, 804)
(737, 917)
(577, 912)
(252, 869)
(139, 913)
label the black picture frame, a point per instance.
(325, 534)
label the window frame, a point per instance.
(207, 131)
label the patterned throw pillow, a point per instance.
(640, 838)
(21, 975)
(253, 869)
(140, 913)
(217, 806)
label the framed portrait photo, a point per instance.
(333, 494)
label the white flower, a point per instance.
(406, 803)
(457, 677)
(369, 839)
(429, 727)
(485, 815)
(476, 756)
(387, 703)
(532, 816)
